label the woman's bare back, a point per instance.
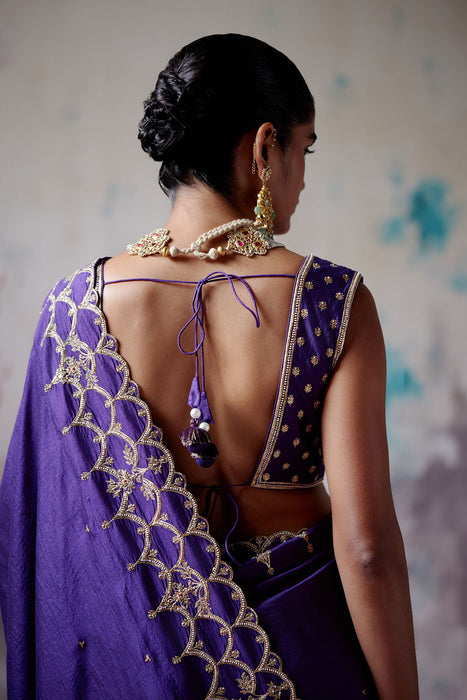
(242, 369)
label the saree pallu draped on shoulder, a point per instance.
(112, 585)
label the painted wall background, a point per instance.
(386, 194)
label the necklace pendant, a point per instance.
(151, 244)
(249, 242)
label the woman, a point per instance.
(117, 496)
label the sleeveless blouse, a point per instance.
(322, 297)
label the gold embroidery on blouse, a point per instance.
(296, 442)
(322, 306)
(308, 388)
(345, 277)
(300, 341)
(151, 475)
(333, 324)
(328, 279)
(309, 285)
(304, 313)
(300, 413)
(339, 296)
(281, 401)
(276, 454)
(329, 352)
(346, 316)
(314, 360)
(296, 371)
(290, 399)
(317, 331)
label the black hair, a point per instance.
(212, 92)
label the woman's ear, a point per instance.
(265, 140)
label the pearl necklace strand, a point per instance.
(213, 253)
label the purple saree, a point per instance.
(111, 584)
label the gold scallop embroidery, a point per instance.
(186, 589)
(314, 360)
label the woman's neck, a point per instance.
(198, 209)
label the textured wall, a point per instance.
(386, 194)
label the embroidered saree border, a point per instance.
(187, 590)
(280, 402)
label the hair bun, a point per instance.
(162, 127)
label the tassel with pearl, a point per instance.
(197, 440)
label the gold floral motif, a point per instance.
(300, 341)
(333, 324)
(300, 413)
(296, 371)
(322, 306)
(285, 428)
(345, 277)
(305, 455)
(314, 360)
(308, 388)
(309, 428)
(290, 399)
(294, 479)
(339, 296)
(296, 442)
(328, 279)
(285, 466)
(309, 285)
(317, 331)
(304, 313)
(276, 454)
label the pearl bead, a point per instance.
(213, 254)
(173, 250)
(195, 413)
(204, 426)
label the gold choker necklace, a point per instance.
(244, 237)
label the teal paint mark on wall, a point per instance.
(427, 209)
(393, 230)
(432, 215)
(401, 380)
(458, 282)
(341, 81)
